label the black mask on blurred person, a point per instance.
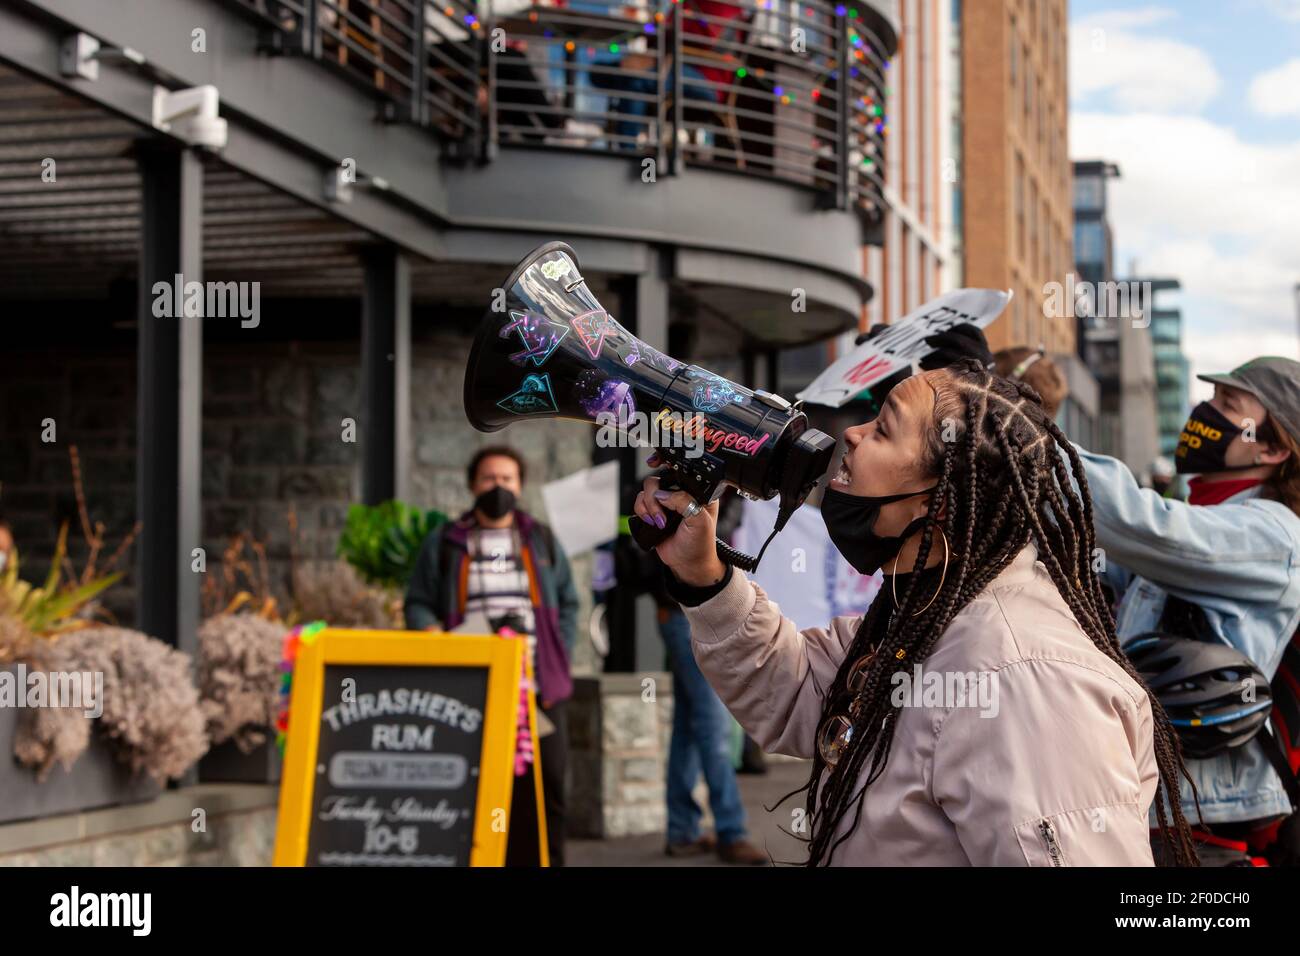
(1203, 444)
(496, 502)
(850, 520)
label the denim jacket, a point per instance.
(1240, 562)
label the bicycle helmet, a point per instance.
(1203, 688)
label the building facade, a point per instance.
(1114, 342)
(1173, 370)
(370, 172)
(1015, 174)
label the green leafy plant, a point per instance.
(382, 541)
(53, 607)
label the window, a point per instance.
(1029, 86)
(1089, 242)
(1041, 112)
(1166, 331)
(1015, 45)
(1032, 259)
(1019, 187)
(1088, 193)
(1049, 229)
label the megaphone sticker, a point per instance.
(712, 392)
(534, 397)
(539, 335)
(592, 327)
(555, 268)
(597, 394)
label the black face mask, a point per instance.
(1204, 442)
(850, 520)
(496, 502)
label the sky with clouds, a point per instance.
(1198, 102)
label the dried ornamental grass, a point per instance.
(48, 735)
(151, 719)
(239, 677)
(333, 591)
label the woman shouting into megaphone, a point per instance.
(981, 711)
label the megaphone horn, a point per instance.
(552, 351)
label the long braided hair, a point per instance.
(1003, 482)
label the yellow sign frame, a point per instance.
(502, 657)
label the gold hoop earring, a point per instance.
(893, 576)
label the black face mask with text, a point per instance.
(850, 520)
(1203, 444)
(496, 502)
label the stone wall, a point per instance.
(236, 828)
(272, 440)
(619, 730)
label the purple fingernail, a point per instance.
(661, 522)
(663, 495)
(652, 459)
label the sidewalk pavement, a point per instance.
(757, 791)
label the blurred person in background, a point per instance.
(1223, 569)
(499, 562)
(1036, 369)
(701, 735)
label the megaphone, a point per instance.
(548, 349)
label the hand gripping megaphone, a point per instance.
(550, 350)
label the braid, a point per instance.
(1003, 481)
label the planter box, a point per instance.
(95, 780)
(226, 763)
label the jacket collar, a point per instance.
(1022, 569)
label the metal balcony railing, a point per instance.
(794, 91)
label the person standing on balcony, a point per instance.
(697, 32)
(500, 562)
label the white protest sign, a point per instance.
(802, 571)
(903, 343)
(582, 508)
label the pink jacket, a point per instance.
(1049, 762)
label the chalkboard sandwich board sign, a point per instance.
(401, 750)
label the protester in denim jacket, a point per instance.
(1233, 550)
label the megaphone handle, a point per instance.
(648, 535)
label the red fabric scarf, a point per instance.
(1204, 492)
